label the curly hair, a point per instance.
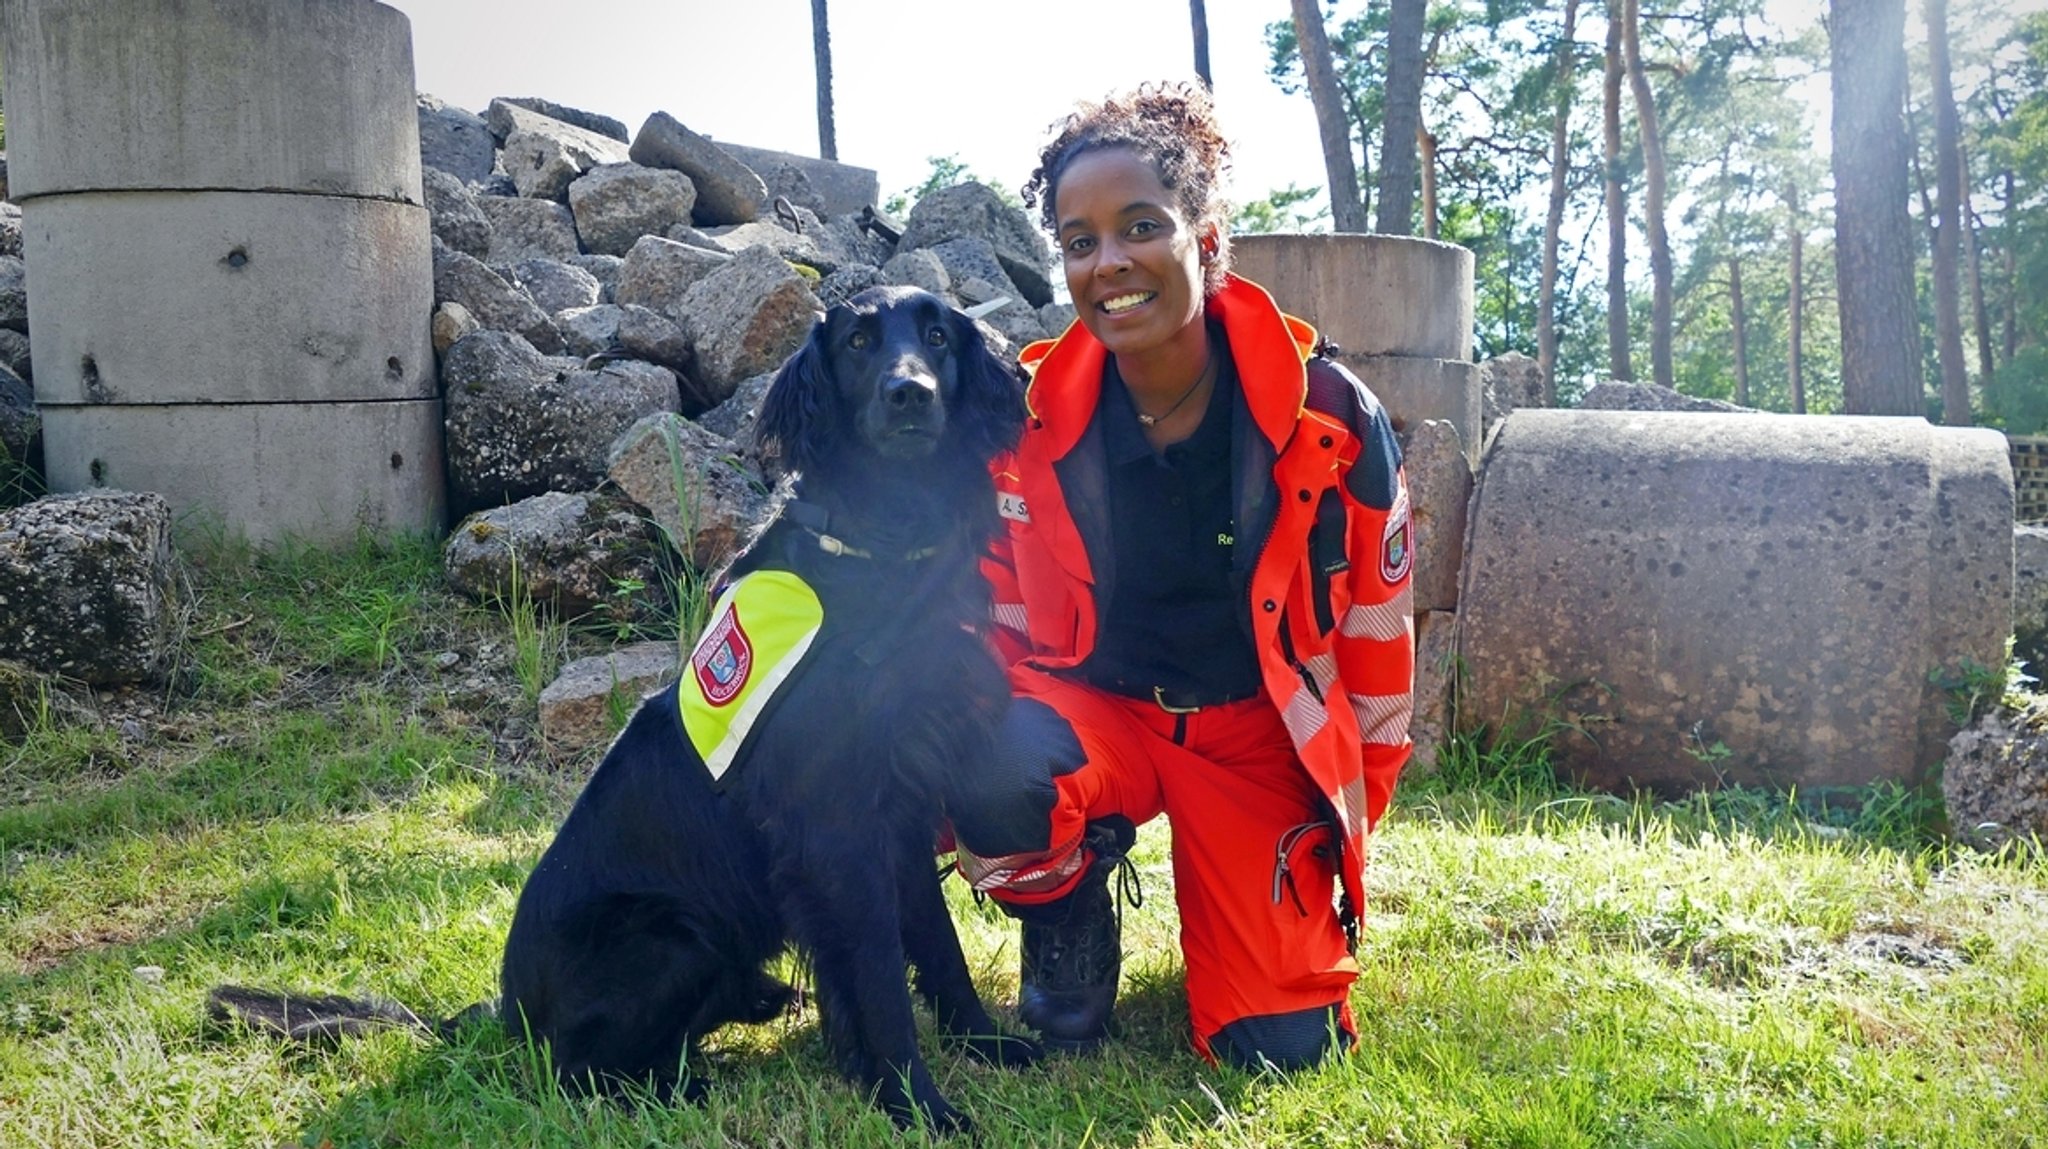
(1168, 124)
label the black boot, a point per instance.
(1072, 949)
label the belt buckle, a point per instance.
(1159, 696)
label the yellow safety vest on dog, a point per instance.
(759, 632)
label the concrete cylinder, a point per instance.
(1398, 308)
(230, 269)
(1699, 599)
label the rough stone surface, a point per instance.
(746, 318)
(971, 210)
(588, 331)
(1995, 779)
(794, 247)
(1372, 294)
(728, 191)
(452, 321)
(1439, 489)
(823, 186)
(13, 294)
(3, 175)
(543, 155)
(520, 423)
(735, 417)
(616, 204)
(646, 334)
(2030, 598)
(1507, 382)
(605, 126)
(455, 141)
(571, 553)
(978, 277)
(496, 304)
(1615, 395)
(848, 282)
(1056, 318)
(85, 586)
(453, 211)
(14, 354)
(10, 230)
(605, 269)
(659, 272)
(724, 499)
(554, 285)
(921, 269)
(20, 426)
(1436, 680)
(578, 709)
(528, 229)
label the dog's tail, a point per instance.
(327, 1018)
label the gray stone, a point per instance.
(728, 191)
(1373, 295)
(1617, 395)
(452, 321)
(455, 140)
(1056, 318)
(777, 238)
(496, 304)
(848, 282)
(543, 155)
(85, 586)
(1439, 489)
(824, 186)
(14, 353)
(519, 423)
(588, 331)
(723, 500)
(647, 334)
(2030, 598)
(13, 294)
(529, 229)
(1435, 691)
(605, 268)
(10, 230)
(616, 204)
(1510, 381)
(971, 210)
(659, 272)
(920, 269)
(554, 285)
(735, 417)
(457, 219)
(584, 706)
(575, 117)
(573, 554)
(746, 318)
(1995, 779)
(844, 241)
(1416, 390)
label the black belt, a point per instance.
(1177, 701)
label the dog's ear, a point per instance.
(991, 412)
(799, 411)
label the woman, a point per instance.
(1204, 595)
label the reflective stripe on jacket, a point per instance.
(1323, 546)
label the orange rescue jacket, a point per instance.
(1323, 547)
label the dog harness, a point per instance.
(754, 645)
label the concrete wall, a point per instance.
(233, 280)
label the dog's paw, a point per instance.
(1004, 1050)
(768, 999)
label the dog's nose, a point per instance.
(909, 393)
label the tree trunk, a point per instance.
(1395, 213)
(1425, 146)
(1741, 330)
(1347, 211)
(1653, 198)
(821, 50)
(1553, 220)
(1873, 234)
(1617, 206)
(1948, 190)
(2012, 278)
(1198, 14)
(1978, 306)
(1795, 309)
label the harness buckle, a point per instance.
(1159, 696)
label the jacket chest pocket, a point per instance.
(1328, 557)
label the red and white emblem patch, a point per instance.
(723, 659)
(1397, 546)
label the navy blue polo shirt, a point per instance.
(1172, 620)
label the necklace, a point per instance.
(1208, 371)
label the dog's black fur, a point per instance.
(646, 924)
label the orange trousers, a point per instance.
(1254, 864)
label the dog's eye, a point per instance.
(936, 337)
(858, 341)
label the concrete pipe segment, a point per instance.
(230, 274)
(1690, 600)
(1399, 309)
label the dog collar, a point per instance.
(814, 519)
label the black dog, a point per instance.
(680, 872)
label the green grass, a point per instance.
(312, 803)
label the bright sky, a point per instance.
(913, 78)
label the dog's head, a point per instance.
(896, 373)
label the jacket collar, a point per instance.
(1268, 346)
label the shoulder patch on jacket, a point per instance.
(760, 630)
(1336, 392)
